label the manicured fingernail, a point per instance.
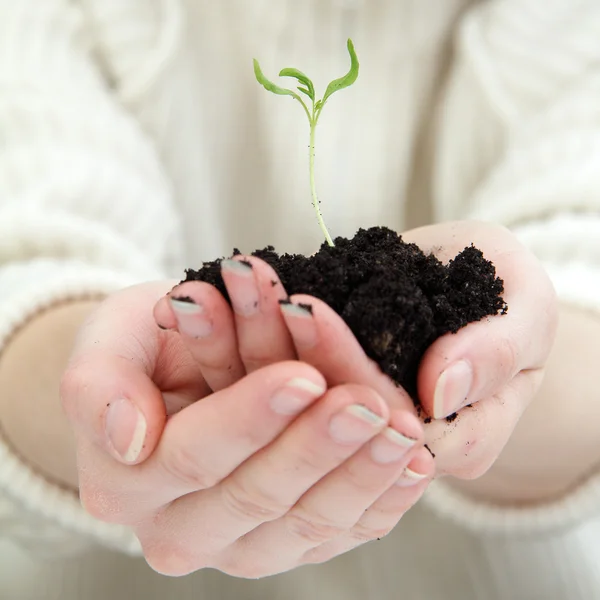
(295, 396)
(296, 310)
(241, 287)
(390, 446)
(409, 478)
(300, 322)
(355, 423)
(126, 429)
(192, 320)
(452, 389)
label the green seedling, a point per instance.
(313, 111)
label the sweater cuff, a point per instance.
(569, 247)
(579, 506)
(35, 512)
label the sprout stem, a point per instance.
(307, 88)
(313, 187)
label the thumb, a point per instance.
(481, 359)
(107, 390)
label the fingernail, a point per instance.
(410, 478)
(300, 322)
(295, 396)
(452, 389)
(296, 310)
(242, 287)
(192, 320)
(355, 423)
(126, 429)
(390, 446)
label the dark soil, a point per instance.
(395, 299)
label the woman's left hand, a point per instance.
(488, 372)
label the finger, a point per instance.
(335, 504)
(380, 518)
(323, 339)
(205, 442)
(271, 482)
(107, 390)
(255, 292)
(204, 319)
(209, 440)
(468, 446)
(480, 359)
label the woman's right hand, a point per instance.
(268, 471)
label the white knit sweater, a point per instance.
(135, 142)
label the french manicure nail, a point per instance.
(390, 446)
(243, 290)
(301, 324)
(243, 267)
(410, 478)
(126, 429)
(295, 395)
(296, 310)
(354, 423)
(452, 389)
(192, 319)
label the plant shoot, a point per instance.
(312, 110)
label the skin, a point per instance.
(245, 492)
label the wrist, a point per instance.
(31, 417)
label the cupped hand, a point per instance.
(271, 469)
(487, 373)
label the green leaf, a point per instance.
(270, 86)
(309, 90)
(305, 91)
(348, 79)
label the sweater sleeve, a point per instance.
(85, 208)
(519, 141)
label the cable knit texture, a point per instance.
(67, 152)
(134, 142)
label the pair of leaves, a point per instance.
(306, 85)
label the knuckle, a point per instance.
(251, 504)
(319, 555)
(360, 478)
(376, 523)
(312, 530)
(167, 558)
(362, 533)
(313, 459)
(253, 437)
(182, 464)
(256, 356)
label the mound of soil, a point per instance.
(395, 299)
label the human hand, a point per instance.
(505, 354)
(254, 479)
